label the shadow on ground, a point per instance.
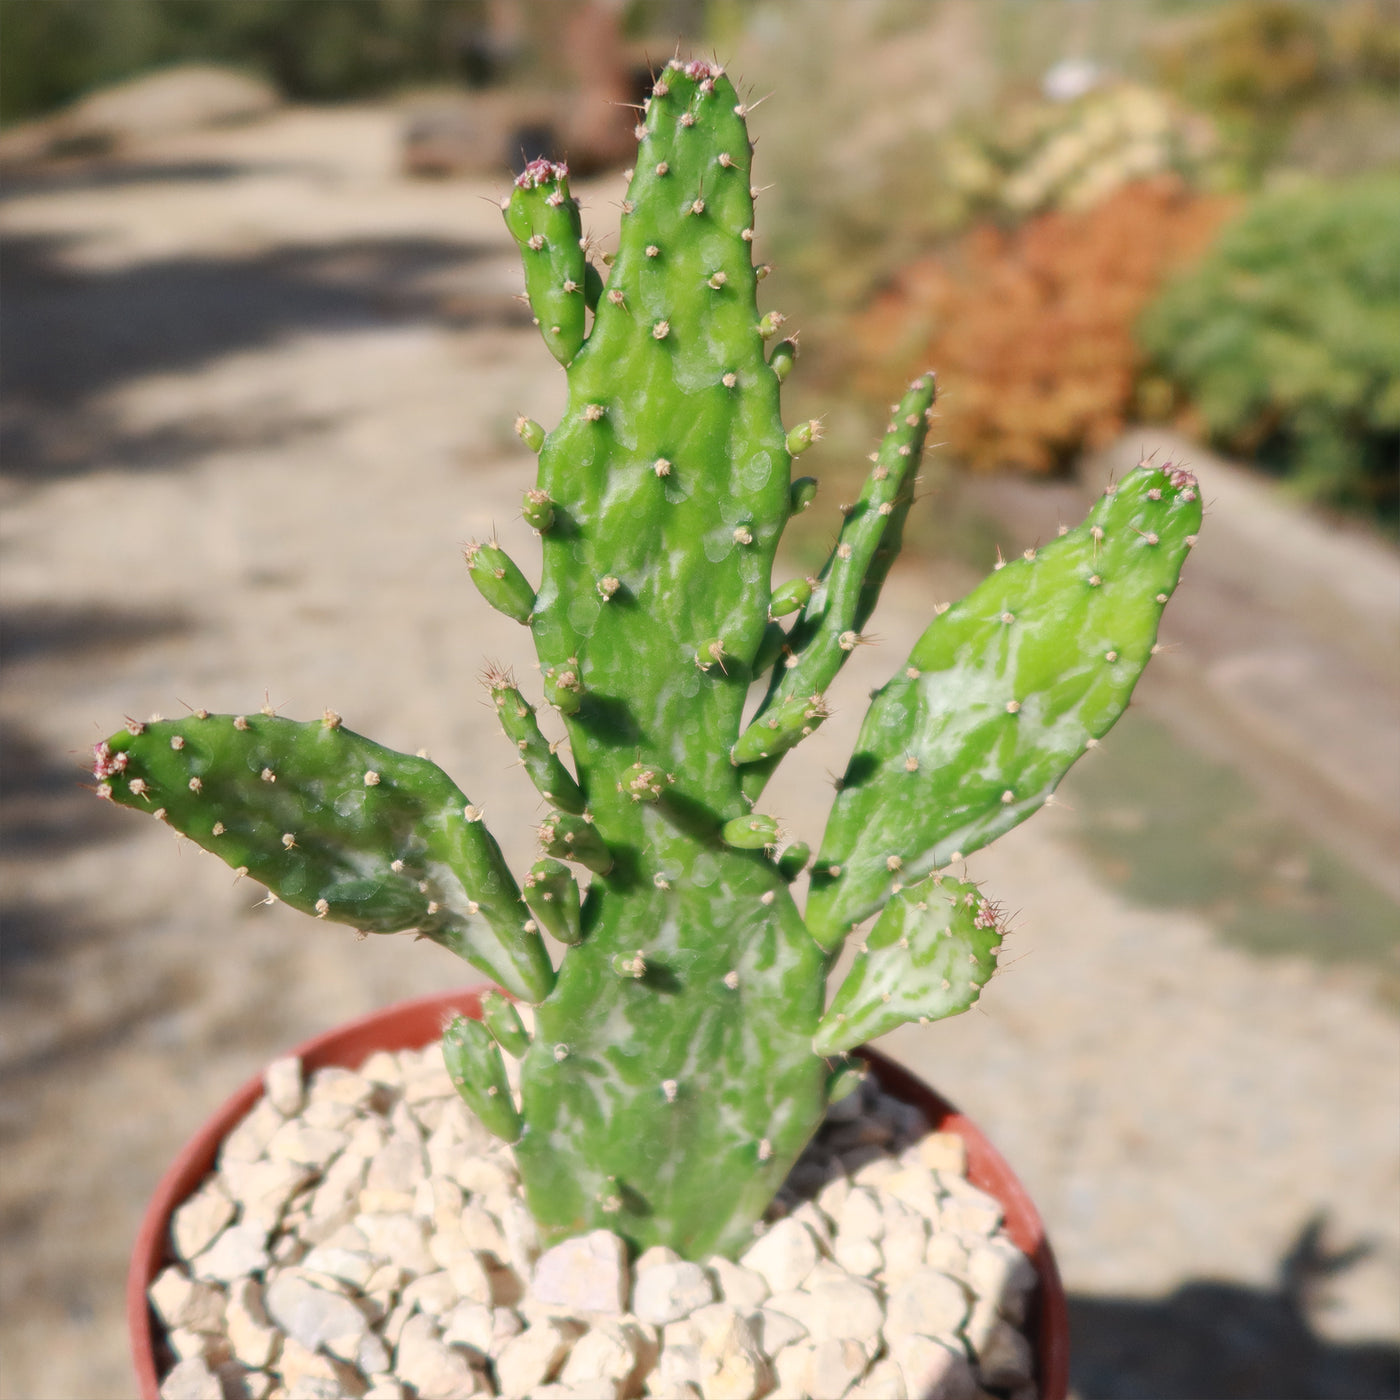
(1224, 1341)
(70, 335)
(103, 174)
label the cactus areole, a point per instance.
(683, 1052)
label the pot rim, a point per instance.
(413, 1024)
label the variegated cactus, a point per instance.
(682, 1052)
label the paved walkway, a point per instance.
(259, 393)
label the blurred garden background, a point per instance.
(261, 355)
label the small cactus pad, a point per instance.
(336, 826)
(928, 956)
(544, 220)
(475, 1067)
(552, 894)
(498, 579)
(499, 1016)
(1000, 695)
(555, 783)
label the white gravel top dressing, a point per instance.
(364, 1236)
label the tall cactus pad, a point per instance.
(1001, 694)
(336, 826)
(928, 956)
(669, 1104)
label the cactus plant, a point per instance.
(681, 1054)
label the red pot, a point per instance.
(413, 1024)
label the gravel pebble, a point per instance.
(191, 1380)
(671, 1291)
(197, 1223)
(403, 1261)
(587, 1274)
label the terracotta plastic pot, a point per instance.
(413, 1024)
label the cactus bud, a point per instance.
(500, 581)
(790, 597)
(500, 1017)
(529, 432)
(475, 1067)
(793, 860)
(801, 494)
(770, 648)
(572, 837)
(552, 894)
(537, 509)
(800, 438)
(783, 358)
(750, 833)
(563, 689)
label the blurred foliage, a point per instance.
(1260, 66)
(1285, 339)
(1031, 330)
(56, 50)
(1038, 155)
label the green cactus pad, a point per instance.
(680, 1060)
(336, 826)
(928, 956)
(670, 474)
(475, 1067)
(1001, 695)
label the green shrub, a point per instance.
(1284, 339)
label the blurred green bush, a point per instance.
(1284, 340)
(1277, 75)
(55, 50)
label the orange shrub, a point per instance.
(1031, 331)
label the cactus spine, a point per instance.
(682, 1054)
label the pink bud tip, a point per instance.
(540, 172)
